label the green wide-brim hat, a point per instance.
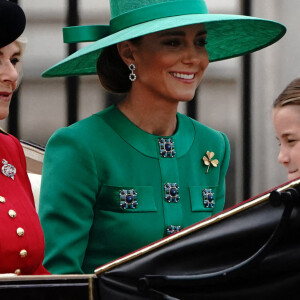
(227, 35)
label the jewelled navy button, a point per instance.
(208, 198)
(173, 228)
(128, 199)
(172, 192)
(166, 147)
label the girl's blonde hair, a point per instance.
(290, 95)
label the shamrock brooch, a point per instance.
(209, 161)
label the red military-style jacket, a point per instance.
(21, 237)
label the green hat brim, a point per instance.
(227, 36)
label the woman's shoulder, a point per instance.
(86, 127)
(9, 140)
(199, 127)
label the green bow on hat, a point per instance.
(227, 35)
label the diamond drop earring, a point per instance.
(132, 76)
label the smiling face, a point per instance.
(9, 65)
(170, 64)
(286, 120)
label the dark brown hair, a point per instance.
(290, 95)
(113, 73)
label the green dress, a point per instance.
(109, 188)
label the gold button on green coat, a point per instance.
(109, 188)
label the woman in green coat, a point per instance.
(139, 171)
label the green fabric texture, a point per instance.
(118, 8)
(88, 163)
(89, 33)
(227, 35)
(155, 11)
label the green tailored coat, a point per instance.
(109, 188)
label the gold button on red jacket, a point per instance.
(21, 237)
